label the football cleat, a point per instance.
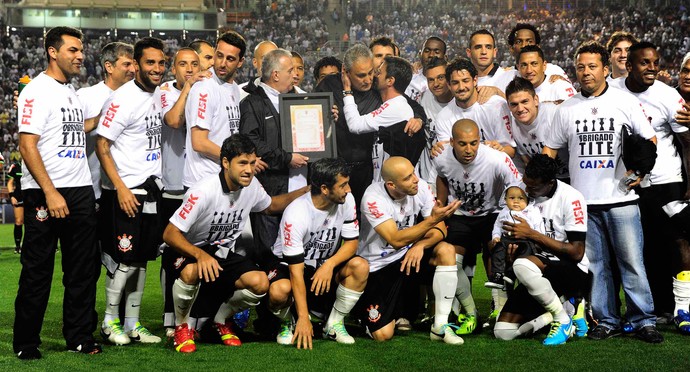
(466, 324)
(227, 336)
(492, 318)
(338, 333)
(184, 339)
(112, 332)
(402, 324)
(89, 347)
(446, 334)
(682, 322)
(285, 335)
(580, 320)
(559, 333)
(143, 335)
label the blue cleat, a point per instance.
(559, 333)
(682, 321)
(241, 319)
(580, 320)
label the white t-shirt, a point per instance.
(311, 235)
(377, 207)
(505, 78)
(591, 129)
(393, 111)
(131, 119)
(660, 103)
(530, 214)
(480, 184)
(530, 138)
(213, 105)
(565, 211)
(93, 98)
(559, 90)
(211, 212)
(53, 111)
(418, 85)
(493, 119)
(173, 141)
(490, 80)
(432, 107)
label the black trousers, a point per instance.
(80, 265)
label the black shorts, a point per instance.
(654, 219)
(471, 233)
(17, 195)
(566, 278)
(380, 302)
(320, 306)
(127, 239)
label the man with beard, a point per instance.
(128, 147)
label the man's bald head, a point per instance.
(260, 51)
(465, 126)
(394, 168)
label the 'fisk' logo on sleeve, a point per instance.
(110, 114)
(27, 111)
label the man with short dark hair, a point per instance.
(128, 147)
(482, 52)
(590, 124)
(618, 48)
(327, 278)
(532, 66)
(434, 47)
(326, 66)
(59, 202)
(662, 192)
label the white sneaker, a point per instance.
(338, 333)
(446, 334)
(143, 335)
(402, 324)
(112, 332)
(170, 332)
(285, 335)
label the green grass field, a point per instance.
(412, 351)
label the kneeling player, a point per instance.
(396, 248)
(309, 241)
(214, 214)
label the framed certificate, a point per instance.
(307, 126)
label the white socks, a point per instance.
(114, 288)
(183, 297)
(345, 300)
(444, 286)
(509, 331)
(681, 291)
(540, 288)
(134, 291)
(463, 291)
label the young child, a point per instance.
(517, 205)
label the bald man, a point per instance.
(398, 250)
(475, 175)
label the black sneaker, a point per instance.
(29, 354)
(650, 334)
(600, 332)
(88, 347)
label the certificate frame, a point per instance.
(307, 126)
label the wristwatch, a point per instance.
(347, 92)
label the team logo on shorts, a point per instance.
(374, 314)
(179, 261)
(272, 274)
(41, 214)
(125, 244)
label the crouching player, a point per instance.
(213, 217)
(325, 275)
(559, 270)
(396, 248)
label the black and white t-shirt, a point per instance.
(418, 85)
(311, 235)
(131, 119)
(508, 76)
(378, 207)
(559, 90)
(53, 111)
(480, 184)
(93, 98)
(493, 119)
(591, 128)
(210, 212)
(660, 103)
(530, 138)
(432, 107)
(173, 141)
(212, 105)
(565, 212)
